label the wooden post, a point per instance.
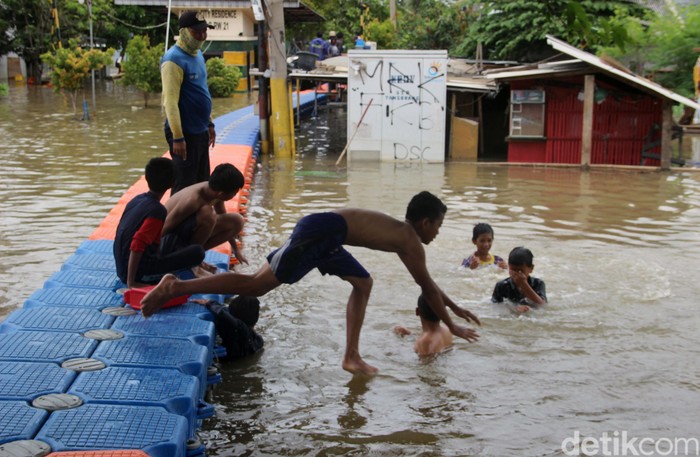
(281, 132)
(451, 123)
(587, 128)
(666, 143)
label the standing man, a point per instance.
(333, 49)
(189, 129)
(319, 46)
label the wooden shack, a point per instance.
(586, 110)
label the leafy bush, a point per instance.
(221, 78)
(71, 65)
(142, 66)
(4, 89)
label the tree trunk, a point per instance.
(34, 70)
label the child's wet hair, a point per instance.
(425, 205)
(520, 256)
(425, 311)
(246, 309)
(160, 174)
(481, 228)
(226, 178)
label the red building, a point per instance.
(587, 111)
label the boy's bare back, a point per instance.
(184, 203)
(379, 231)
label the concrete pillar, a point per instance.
(280, 113)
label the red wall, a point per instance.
(621, 122)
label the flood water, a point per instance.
(615, 353)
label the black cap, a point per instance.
(193, 19)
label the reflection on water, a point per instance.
(614, 351)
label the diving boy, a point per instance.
(317, 242)
(482, 237)
(137, 241)
(523, 290)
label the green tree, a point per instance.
(71, 65)
(663, 48)
(429, 24)
(26, 27)
(517, 29)
(29, 28)
(222, 79)
(345, 16)
(142, 66)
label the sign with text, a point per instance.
(406, 118)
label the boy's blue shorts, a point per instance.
(316, 242)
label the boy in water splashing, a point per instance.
(317, 242)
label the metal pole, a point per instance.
(167, 27)
(92, 46)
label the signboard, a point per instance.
(406, 118)
(257, 10)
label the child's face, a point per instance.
(427, 230)
(520, 269)
(483, 243)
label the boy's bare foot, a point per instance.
(157, 297)
(359, 366)
(208, 267)
(201, 272)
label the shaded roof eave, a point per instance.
(293, 9)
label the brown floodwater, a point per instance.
(615, 352)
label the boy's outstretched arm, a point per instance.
(459, 311)
(414, 260)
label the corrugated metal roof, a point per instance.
(551, 68)
(625, 75)
(471, 84)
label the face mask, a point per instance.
(187, 41)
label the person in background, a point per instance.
(434, 337)
(319, 46)
(520, 289)
(136, 249)
(340, 42)
(482, 238)
(189, 129)
(359, 41)
(318, 241)
(333, 45)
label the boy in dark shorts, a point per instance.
(521, 289)
(136, 243)
(317, 242)
(197, 215)
(434, 337)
